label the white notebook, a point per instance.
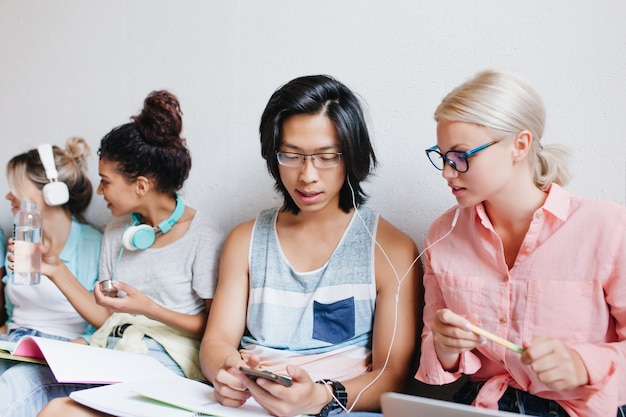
(172, 396)
(403, 405)
(77, 363)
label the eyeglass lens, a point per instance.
(455, 159)
(320, 160)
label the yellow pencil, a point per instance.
(497, 339)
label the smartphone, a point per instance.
(256, 373)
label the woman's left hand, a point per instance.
(556, 365)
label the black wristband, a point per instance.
(339, 401)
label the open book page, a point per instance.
(6, 352)
(171, 396)
(77, 363)
(193, 396)
(7, 346)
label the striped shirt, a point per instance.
(293, 313)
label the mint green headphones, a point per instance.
(142, 236)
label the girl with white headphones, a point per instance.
(43, 310)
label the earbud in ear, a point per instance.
(455, 218)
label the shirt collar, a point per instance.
(558, 202)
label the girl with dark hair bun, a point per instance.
(151, 145)
(159, 257)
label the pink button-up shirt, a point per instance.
(568, 282)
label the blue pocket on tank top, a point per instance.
(334, 322)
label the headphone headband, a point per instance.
(55, 193)
(166, 225)
(47, 159)
(142, 236)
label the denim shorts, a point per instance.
(518, 401)
(15, 334)
(513, 400)
(156, 351)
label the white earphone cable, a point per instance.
(397, 296)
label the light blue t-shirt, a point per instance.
(43, 307)
(3, 247)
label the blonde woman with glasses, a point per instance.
(527, 261)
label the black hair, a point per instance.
(313, 95)
(151, 145)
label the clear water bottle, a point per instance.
(27, 235)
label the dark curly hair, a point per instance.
(151, 145)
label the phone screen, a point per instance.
(255, 373)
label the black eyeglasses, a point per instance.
(456, 159)
(320, 160)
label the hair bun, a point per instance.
(77, 148)
(160, 121)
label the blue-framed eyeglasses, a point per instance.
(456, 159)
(320, 160)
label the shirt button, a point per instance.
(505, 278)
(538, 215)
(528, 245)
(501, 362)
(503, 319)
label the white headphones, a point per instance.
(55, 193)
(142, 236)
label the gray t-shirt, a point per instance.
(179, 276)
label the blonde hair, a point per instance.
(71, 165)
(505, 104)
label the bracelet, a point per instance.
(339, 401)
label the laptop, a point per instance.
(403, 405)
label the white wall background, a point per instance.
(73, 67)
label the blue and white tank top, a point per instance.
(317, 311)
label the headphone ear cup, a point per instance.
(56, 193)
(138, 237)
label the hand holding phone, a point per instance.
(256, 373)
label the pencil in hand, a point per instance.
(496, 339)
